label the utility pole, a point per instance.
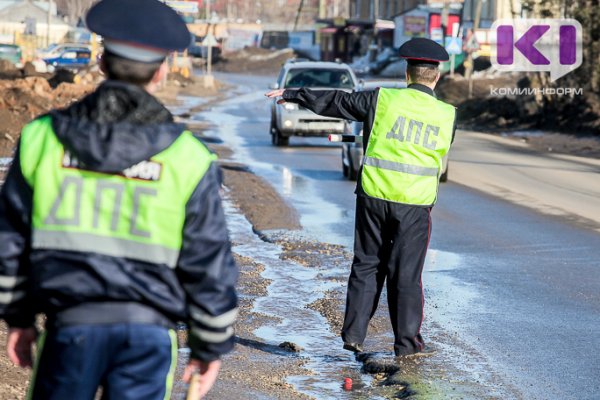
(374, 41)
(48, 19)
(375, 12)
(298, 14)
(208, 80)
(445, 12)
(469, 66)
(322, 9)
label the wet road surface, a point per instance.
(516, 292)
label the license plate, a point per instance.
(324, 126)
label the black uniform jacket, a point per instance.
(356, 106)
(116, 127)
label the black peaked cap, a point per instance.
(143, 22)
(423, 51)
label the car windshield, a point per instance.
(312, 77)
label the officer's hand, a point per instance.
(276, 93)
(201, 376)
(18, 346)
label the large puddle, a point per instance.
(293, 287)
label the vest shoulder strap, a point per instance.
(34, 137)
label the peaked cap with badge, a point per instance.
(423, 51)
(139, 30)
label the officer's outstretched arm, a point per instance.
(208, 273)
(331, 103)
(16, 199)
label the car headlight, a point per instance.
(291, 106)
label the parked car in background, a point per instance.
(195, 48)
(12, 53)
(55, 49)
(71, 58)
(383, 63)
(352, 153)
(293, 120)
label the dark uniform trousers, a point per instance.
(130, 362)
(390, 243)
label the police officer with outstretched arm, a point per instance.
(407, 132)
(111, 225)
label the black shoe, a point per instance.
(355, 347)
(426, 352)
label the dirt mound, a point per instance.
(254, 60)
(60, 76)
(21, 100)
(89, 75)
(67, 93)
(9, 71)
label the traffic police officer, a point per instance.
(407, 132)
(111, 224)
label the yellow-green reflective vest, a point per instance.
(138, 214)
(411, 133)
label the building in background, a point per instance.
(280, 13)
(25, 23)
(302, 42)
(427, 21)
(380, 9)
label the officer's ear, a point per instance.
(437, 77)
(102, 64)
(159, 76)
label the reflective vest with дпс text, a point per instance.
(412, 132)
(137, 214)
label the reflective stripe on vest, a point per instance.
(411, 133)
(110, 246)
(138, 214)
(399, 167)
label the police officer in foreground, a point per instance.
(111, 224)
(406, 134)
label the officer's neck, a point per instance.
(430, 85)
(426, 88)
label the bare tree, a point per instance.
(579, 113)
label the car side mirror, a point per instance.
(274, 86)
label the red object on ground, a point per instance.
(348, 384)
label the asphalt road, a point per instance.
(514, 265)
